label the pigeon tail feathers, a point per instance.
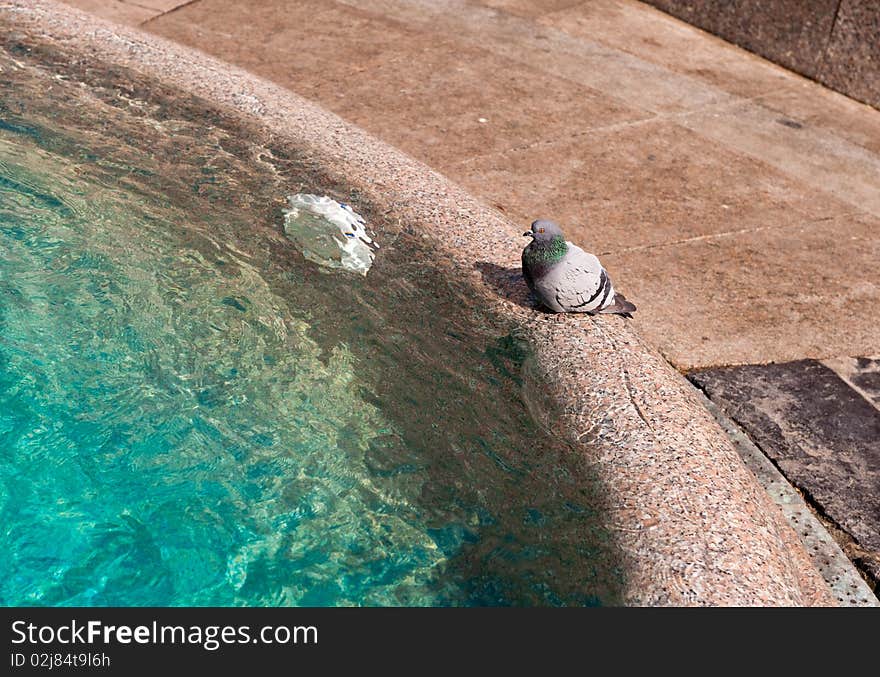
(620, 306)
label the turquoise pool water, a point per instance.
(191, 414)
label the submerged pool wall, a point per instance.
(691, 525)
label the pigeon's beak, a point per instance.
(528, 233)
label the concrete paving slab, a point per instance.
(836, 42)
(790, 32)
(118, 11)
(759, 296)
(661, 39)
(824, 109)
(616, 73)
(822, 126)
(530, 8)
(639, 186)
(823, 435)
(161, 5)
(658, 38)
(818, 158)
(426, 93)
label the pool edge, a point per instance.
(693, 525)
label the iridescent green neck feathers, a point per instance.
(546, 252)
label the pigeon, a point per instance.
(565, 278)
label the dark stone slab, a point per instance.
(822, 434)
(867, 377)
(852, 57)
(861, 372)
(792, 33)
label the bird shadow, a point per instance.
(509, 284)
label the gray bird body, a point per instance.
(565, 278)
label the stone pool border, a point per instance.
(690, 522)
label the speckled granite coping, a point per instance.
(692, 524)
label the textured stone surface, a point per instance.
(118, 11)
(689, 187)
(531, 8)
(852, 57)
(792, 33)
(692, 524)
(836, 42)
(130, 12)
(823, 435)
(794, 290)
(861, 373)
(430, 97)
(660, 39)
(841, 174)
(849, 588)
(161, 5)
(820, 108)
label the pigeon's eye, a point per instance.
(540, 230)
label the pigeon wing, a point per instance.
(526, 271)
(577, 284)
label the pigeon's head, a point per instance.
(544, 230)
